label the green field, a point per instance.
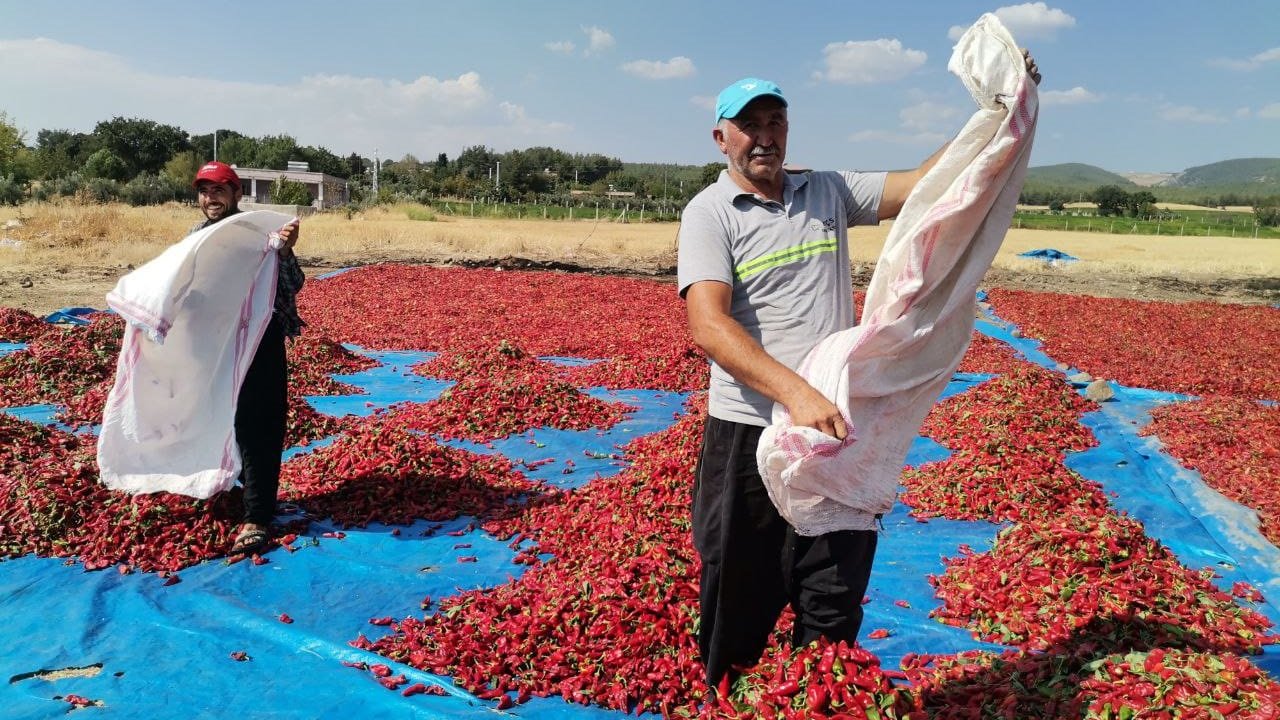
(1207, 223)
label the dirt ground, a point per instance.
(1119, 266)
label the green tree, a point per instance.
(1111, 200)
(181, 168)
(288, 192)
(143, 145)
(1267, 211)
(1140, 204)
(711, 173)
(203, 144)
(12, 142)
(275, 152)
(595, 167)
(106, 164)
(476, 161)
(320, 159)
(239, 150)
(356, 166)
(61, 152)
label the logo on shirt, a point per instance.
(828, 225)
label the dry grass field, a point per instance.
(54, 256)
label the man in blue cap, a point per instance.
(764, 270)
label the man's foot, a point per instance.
(251, 539)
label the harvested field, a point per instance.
(72, 255)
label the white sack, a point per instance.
(885, 374)
(195, 317)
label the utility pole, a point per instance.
(376, 163)
(215, 144)
(497, 176)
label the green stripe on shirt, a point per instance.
(784, 257)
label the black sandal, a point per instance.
(248, 542)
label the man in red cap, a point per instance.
(262, 407)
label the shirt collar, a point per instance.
(790, 183)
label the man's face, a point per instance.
(217, 200)
(755, 142)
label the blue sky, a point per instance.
(1137, 85)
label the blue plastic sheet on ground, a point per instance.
(1048, 254)
(333, 273)
(73, 315)
(8, 347)
(180, 666)
(165, 650)
(1200, 526)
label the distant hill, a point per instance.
(1076, 175)
(1244, 171)
(1230, 182)
(1149, 179)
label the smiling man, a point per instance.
(262, 406)
(764, 271)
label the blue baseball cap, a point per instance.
(735, 97)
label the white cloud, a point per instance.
(884, 136)
(1033, 20)
(564, 47)
(1075, 96)
(927, 116)
(598, 40)
(706, 102)
(1243, 112)
(65, 86)
(1251, 63)
(1188, 113)
(676, 67)
(1270, 112)
(869, 61)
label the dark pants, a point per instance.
(754, 564)
(261, 412)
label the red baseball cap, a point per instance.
(217, 172)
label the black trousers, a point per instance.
(754, 564)
(261, 413)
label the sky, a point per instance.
(1129, 86)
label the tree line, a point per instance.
(145, 162)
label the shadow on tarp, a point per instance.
(1198, 524)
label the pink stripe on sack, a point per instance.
(125, 367)
(140, 314)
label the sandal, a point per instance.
(249, 541)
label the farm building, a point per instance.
(326, 190)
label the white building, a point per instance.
(326, 190)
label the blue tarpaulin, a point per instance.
(72, 315)
(1048, 254)
(164, 651)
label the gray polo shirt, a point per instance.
(788, 265)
